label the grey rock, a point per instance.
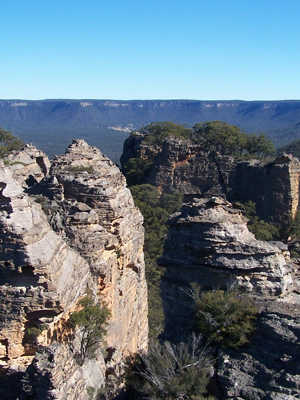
(208, 243)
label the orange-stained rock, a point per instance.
(72, 228)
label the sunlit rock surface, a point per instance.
(61, 232)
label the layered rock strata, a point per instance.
(212, 235)
(93, 237)
(208, 243)
(178, 165)
(101, 222)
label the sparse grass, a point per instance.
(80, 168)
(169, 371)
(6, 162)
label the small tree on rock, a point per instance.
(8, 143)
(91, 321)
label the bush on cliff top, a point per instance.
(156, 132)
(8, 143)
(229, 139)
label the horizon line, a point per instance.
(131, 100)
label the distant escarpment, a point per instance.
(52, 124)
(68, 230)
(208, 244)
(195, 168)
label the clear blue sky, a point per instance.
(150, 49)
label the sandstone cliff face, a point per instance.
(93, 237)
(208, 243)
(273, 187)
(182, 166)
(101, 222)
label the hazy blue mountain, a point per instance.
(52, 124)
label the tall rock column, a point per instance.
(41, 280)
(273, 187)
(102, 223)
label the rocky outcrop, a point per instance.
(268, 368)
(75, 228)
(179, 165)
(101, 222)
(209, 244)
(28, 165)
(54, 374)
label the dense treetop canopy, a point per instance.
(158, 131)
(213, 136)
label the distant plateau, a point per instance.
(52, 124)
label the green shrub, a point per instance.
(263, 230)
(213, 136)
(171, 202)
(8, 143)
(34, 331)
(229, 139)
(155, 209)
(170, 371)
(225, 318)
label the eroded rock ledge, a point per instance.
(209, 244)
(64, 229)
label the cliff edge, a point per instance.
(65, 228)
